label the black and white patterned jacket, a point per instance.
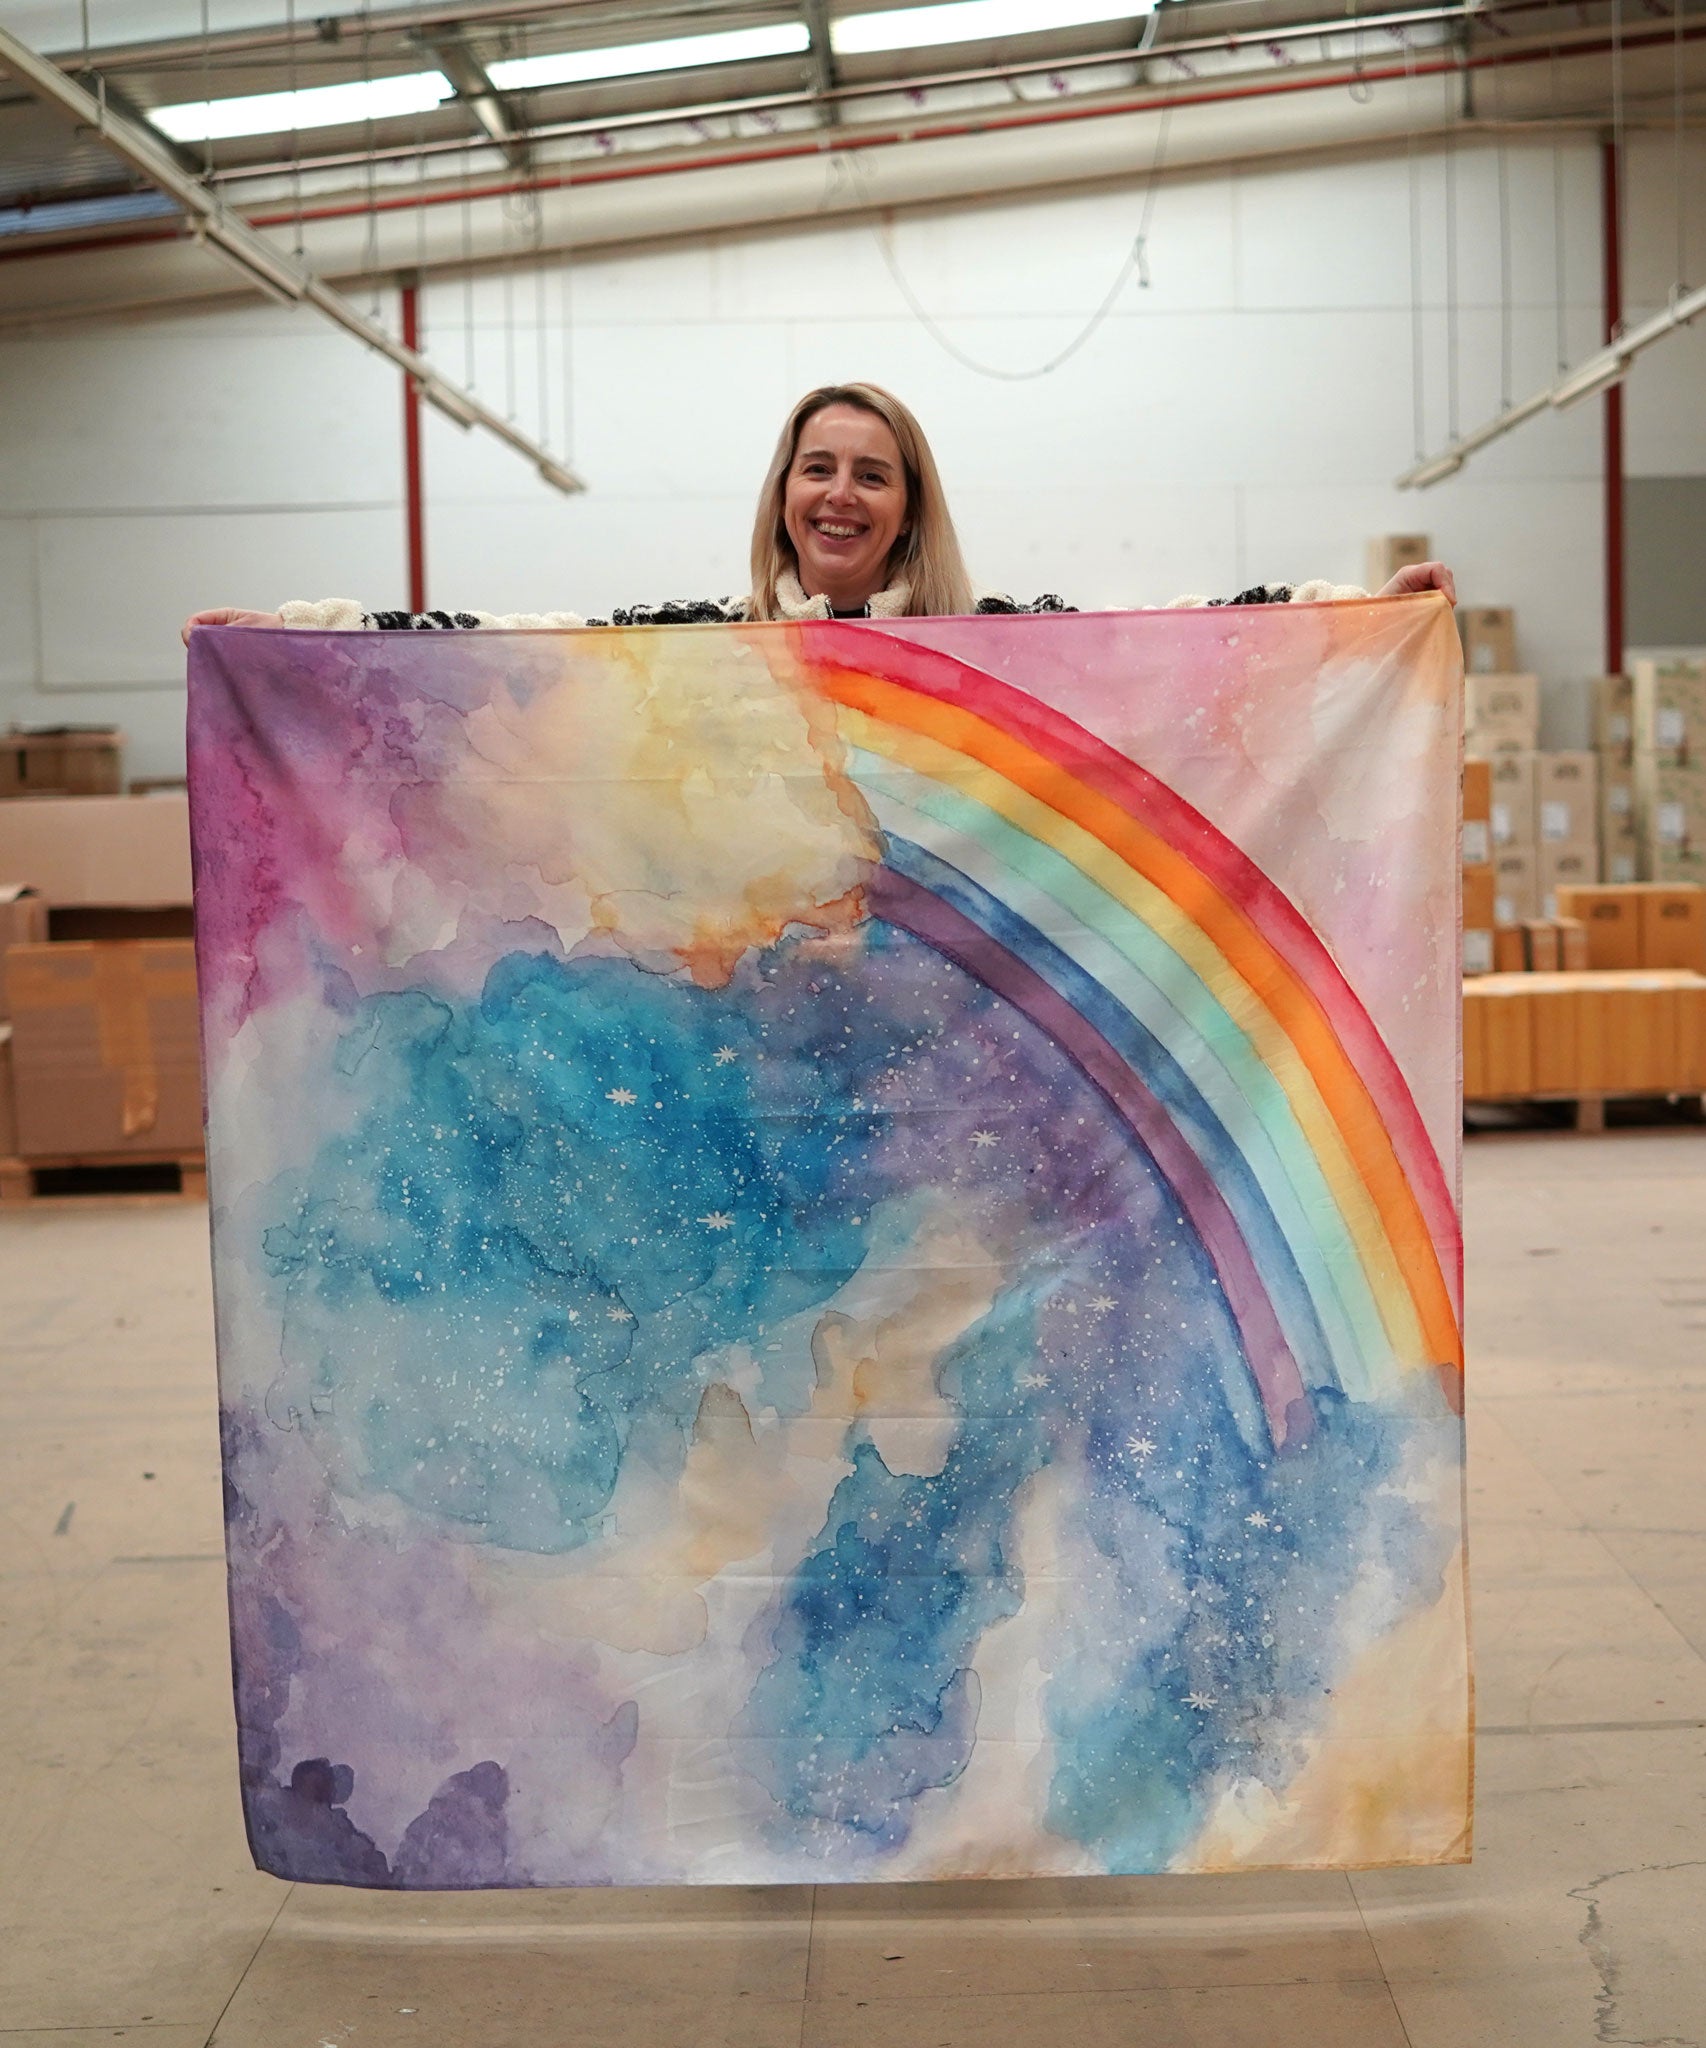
(342, 613)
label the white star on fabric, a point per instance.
(1202, 1701)
(984, 1139)
(718, 1219)
(1140, 1446)
(1034, 1380)
(616, 1313)
(724, 1054)
(625, 1096)
(1255, 1519)
(1103, 1303)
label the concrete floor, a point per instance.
(127, 1907)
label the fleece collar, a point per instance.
(793, 603)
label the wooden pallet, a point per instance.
(125, 1176)
(1590, 1109)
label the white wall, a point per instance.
(1242, 419)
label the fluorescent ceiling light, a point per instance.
(1434, 472)
(1598, 373)
(315, 106)
(971, 21)
(630, 60)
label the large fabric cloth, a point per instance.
(836, 1244)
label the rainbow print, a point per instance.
(1180, 979)
(836, 1245)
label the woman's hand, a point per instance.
(236, 618)
(1422, 576)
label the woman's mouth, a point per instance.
(837, 529)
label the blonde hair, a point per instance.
(927, 555)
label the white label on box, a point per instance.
(1617, 797)
(1673, 823)
(1668, 726)
(1504, 910)
(1477, 847)
(1621, 868)
(1477, 952)
(1549, 903)
(1483, 663)
(1501, 823)
(1554, 821)
(1619, 728)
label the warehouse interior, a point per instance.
(497, 305)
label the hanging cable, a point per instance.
(207, 86)
(370, 248)
(1617, 154)
(1136, 261)
(294, 68)
(509, 314)
(1559, 251)
(1418, 350)
(1505, 294)
(567, 335)
(1451, 335)
(542, 340)
(1681, 285)
(467, 211)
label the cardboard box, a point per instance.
(61, 760)
(23, 922)
(1509, 954)
(1498, 736)
(1670, 818)
(1613, 721)
(1670, 712)
(1572, 945)
(1512, 804)
(1477, 813)
(1477, 919)
(1540, 945)
(104, 1047)
(1489, 639)
(1556, 1021)
(1473, 1082)
(1611, 918)
(99, 850)
(1508, 1036)
(1390, 552)
(1566, 799)
(1672, 926)
(1501, 694)
(1516, 885)
(1691, 1035)
(1619, 846)
(1564, 867)
(8, 1115)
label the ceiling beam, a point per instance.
(455, 57)
(228, 236)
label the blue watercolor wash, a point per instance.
(506, 1266)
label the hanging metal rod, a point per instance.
(1605, 367)
(777, 102)
(231, 238)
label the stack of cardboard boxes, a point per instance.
(97, 979)
(1650, 738)
(1544, 806)
(1670, 769)
(1632, 1021)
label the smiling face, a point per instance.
(844, 504)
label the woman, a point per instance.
(852, 523)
